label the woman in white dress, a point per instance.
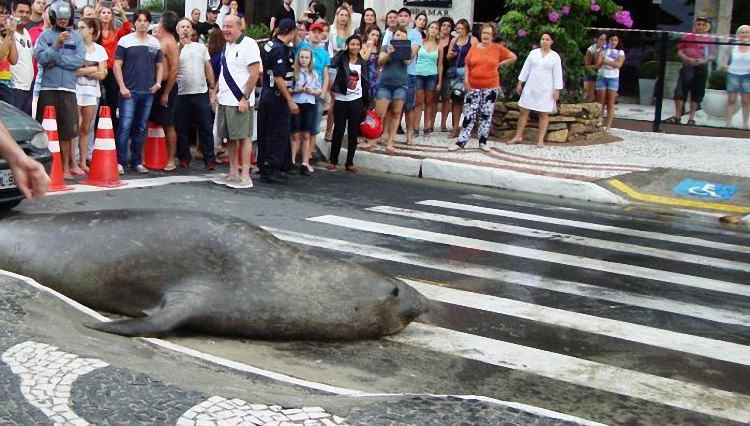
(539, 83)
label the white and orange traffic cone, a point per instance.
(56, 179)
(103, 168)
(155, 149)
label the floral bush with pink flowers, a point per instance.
(567, 21)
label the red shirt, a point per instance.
(483, 63)
(109, 43)
(693, 50)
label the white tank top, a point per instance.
(740, 64)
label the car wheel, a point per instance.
(7, 205)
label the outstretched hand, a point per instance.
(30, 177)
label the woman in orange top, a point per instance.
(482, 83)
(108, 38)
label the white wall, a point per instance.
(461, 9)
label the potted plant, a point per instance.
(716, 99)
(647, 81)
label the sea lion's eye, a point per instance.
(394, 292)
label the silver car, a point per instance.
(33, 140)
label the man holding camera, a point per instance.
(60, 51)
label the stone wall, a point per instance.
(573, 123)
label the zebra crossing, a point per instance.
(667, 310)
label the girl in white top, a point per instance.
(307, 87)
(738, 76)
(88, 92)
(539, 84)
(610, 60)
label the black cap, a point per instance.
(287, 24)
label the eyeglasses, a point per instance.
(82, 27)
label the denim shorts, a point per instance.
(304, 122)
(397, 93)
(426, 82)
(737, 83)
(411, 94)
(606, 83)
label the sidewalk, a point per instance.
(696, 172)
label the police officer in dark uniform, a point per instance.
(277, 106)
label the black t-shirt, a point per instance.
(282, 13)
(204, 27)
(277, 62)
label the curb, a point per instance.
(483, 176)
(746, 220)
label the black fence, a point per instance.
(653, 70)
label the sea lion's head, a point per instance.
(370, 304)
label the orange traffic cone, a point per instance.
(155, 149)
(103, 169)
(49, 123)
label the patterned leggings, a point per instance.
(481, 103)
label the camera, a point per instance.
(313, 16)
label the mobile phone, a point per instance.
(313, 16)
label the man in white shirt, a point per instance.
(239, 73)
(223, 12)
(196, 93)
(22, 73)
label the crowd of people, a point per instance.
(197, 80)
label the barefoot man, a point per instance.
(165, 100)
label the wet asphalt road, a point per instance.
(615, 316)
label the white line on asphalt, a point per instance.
(518, 278)
(689, 396)
(696, 345)
(234, 365)
(586, 225)
(567, 238)
(136, 183)
(538, 255)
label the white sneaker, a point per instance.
(221, 180)
(454, 147)
(141, 169)
(241, 183)
(120, 169)
(484, 147)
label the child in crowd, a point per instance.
(307, 87)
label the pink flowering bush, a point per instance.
(568, 22)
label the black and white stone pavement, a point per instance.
(542, 313)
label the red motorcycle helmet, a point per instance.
(372, 126)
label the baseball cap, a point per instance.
(287, 24)
(317, 26)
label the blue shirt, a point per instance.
(320, 58)
(278, 62)
(139, 59)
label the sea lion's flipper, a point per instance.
(176, 309)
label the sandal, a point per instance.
(672, 120)
(691, 123)
(389, 150)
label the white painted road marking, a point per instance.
(567, 238)
(137, 183)
(586, 225)
(518, 278)
(714, 402)
(696, 345)
(539, 255)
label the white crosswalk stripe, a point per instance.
(546, 256)
(567, 238)
(586, 225)
(714, 350)
(714, 402)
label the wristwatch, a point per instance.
(246, 96)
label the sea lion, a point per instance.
(203, 272)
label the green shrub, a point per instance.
(257, 31)
(650, 70)
(153, 5)
(718, 79)
(568, 21)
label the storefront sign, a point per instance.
(428, 3)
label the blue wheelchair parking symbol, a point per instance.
(705, 190)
